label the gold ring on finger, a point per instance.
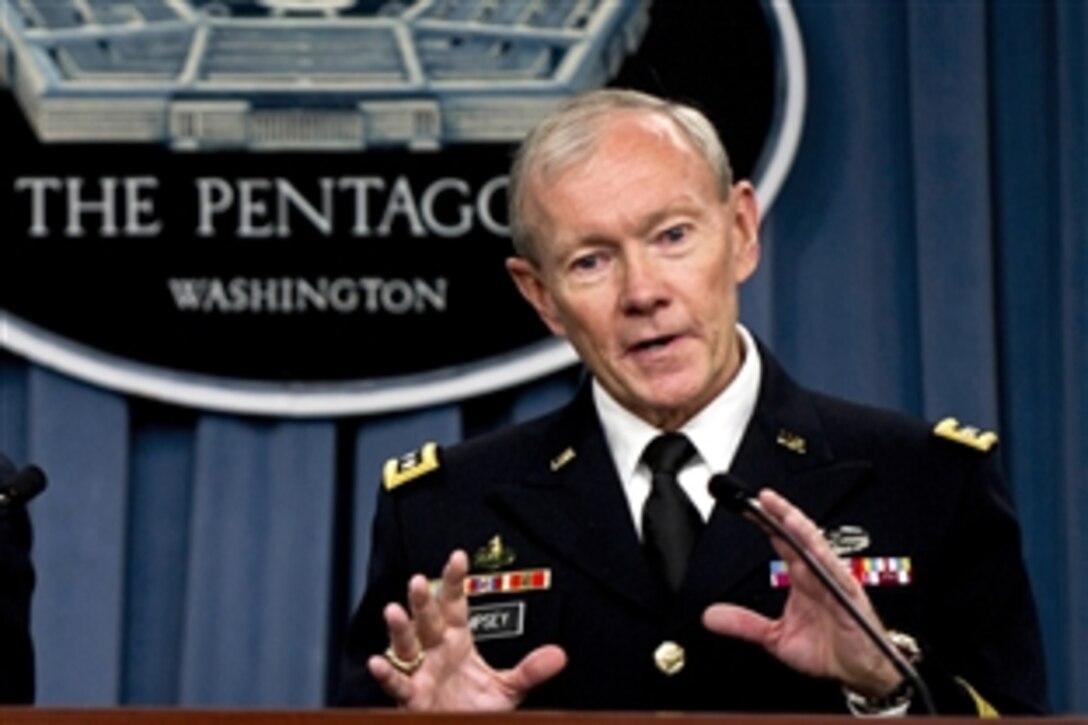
(407, 667)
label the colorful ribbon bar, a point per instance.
(508, 582)
(504, 582)
(870, 571)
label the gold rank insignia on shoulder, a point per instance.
(409, 466)
(951, 429)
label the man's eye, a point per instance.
(675, 234)
(587, 262)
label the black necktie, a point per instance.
(670, 522)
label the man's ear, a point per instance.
(527, 277)
(744, 210)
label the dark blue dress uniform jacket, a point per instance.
(16, 586)
(918, 495)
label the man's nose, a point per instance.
(644, 286)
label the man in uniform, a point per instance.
(590, 567)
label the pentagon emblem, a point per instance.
(951, 429)
(409, 466)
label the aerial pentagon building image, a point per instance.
(306, 74)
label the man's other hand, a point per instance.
(434, 664)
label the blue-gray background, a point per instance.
(928, 253)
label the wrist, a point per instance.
(894, 692)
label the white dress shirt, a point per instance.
(716, 432)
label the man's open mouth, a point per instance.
(653, 343)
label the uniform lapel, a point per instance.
(572, 504)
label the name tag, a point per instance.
(492, 621)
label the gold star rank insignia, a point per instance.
(968, 435)
(409, 466)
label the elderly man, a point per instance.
(579, 560)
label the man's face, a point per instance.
(638, 265)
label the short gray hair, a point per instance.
(572, 130)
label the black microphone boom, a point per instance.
(23, 486)
(735, 495)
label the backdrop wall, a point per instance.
(928, 253)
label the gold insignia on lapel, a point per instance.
(562, 459)
(493, 555)
(409, 466)
(847, 539)
(791, 442)
(968, 435)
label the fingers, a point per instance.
(396, 685)
(433, 611)
(452, 600)
(791, 518)
(733, 621)
(538, 666)
(810, 537)
(402, 633)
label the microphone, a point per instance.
(22, 486)
(736, 496)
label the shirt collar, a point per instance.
(715, 431)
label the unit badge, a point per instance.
(847, 539)
(493, 555)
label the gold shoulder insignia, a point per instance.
(951, 429)
(409, 466)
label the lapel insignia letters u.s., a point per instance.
(562, 459)
(493, 555)
(791, 442)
